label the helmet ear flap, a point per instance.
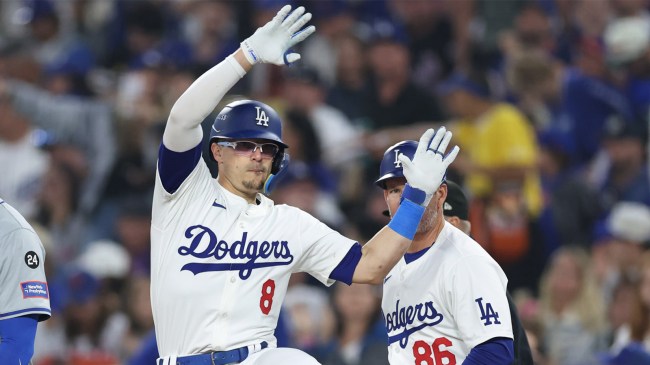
(277, 161)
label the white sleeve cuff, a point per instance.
(236, 66)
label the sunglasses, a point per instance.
(267, 150)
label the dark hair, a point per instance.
(74, 181)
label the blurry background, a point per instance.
(548, 100)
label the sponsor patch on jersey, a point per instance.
(32, 260)
(34, 289)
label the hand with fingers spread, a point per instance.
(271, 43)
(425, 172)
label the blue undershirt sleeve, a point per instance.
(344, 271)
(175, 167)
(495, 351)
(17, 339)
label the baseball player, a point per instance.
(445, 301)
(222, 252)
(24, 295)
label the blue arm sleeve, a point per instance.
(175, 167)
(495, 351)
(344, 271)
(17, 339)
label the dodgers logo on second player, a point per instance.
(240, 249)
(406, 316)
(397, 162)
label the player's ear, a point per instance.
(443, 193)
(215, 149)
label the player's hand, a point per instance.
(271, 42)
(425, 173)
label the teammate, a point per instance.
(24, 295)
(222, 253)
(445, 301)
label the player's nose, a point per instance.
(257, 154)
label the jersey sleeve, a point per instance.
(323, 248)
(23, 286)
(190, 185)
(477, 294)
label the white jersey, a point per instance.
(221, 266)
(23, 288)
(441, 305)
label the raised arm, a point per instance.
(269, 44)
(423, 175)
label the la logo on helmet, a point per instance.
(397, 162)
(262, 118)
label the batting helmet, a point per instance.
(249, 119)
(392, 167)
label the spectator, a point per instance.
(333, 19)
(620, 174)
(619, 243)
(305, 92)
(75, 122)
(309, 317)
(20, 154)
(351, 91)
(87, 325)
(58, 211)
(499, 168)
(360, 338)
(627, 42)
(431, 35)
(51, 46)
(398, 108)
(489, 162)
(133, 230)
(624, 310)
(572, 311)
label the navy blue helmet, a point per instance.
(392, 167)
(250, 119)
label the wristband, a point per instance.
(406, 219)
(249, 53)
(415, 195)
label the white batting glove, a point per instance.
(271, 43)
(425, 173)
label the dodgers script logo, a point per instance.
(204, 244)
(402, 320)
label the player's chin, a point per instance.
(256, 184)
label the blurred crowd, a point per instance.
(548, 100)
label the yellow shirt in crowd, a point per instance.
(502, 137)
